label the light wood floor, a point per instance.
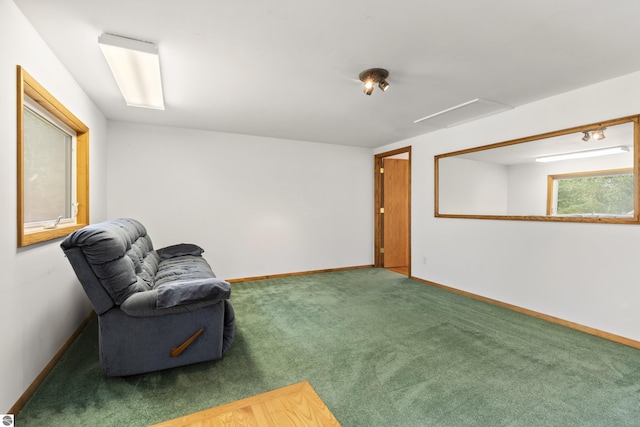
(402, 270)
(292, 406)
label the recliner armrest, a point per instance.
(181, 249)
(188, 291)
(177, 297)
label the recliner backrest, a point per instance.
(119, 254)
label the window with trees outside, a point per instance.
(598, 194)
(53, 165)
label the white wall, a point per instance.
(585, 273)
(472, 187)
(258, 206)
(42, 303)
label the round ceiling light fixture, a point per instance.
(372, 76)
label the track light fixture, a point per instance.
(596, 134)
(372, 76)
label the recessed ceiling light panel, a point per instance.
(135, 65)
(584, 154)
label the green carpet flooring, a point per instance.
(380, 350)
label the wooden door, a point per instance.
(396, 212)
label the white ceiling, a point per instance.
(289, 68)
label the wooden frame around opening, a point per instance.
(28, 86)
(378, 201)
(603, 220)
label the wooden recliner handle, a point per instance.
(177, 351)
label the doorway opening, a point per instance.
(392, 196)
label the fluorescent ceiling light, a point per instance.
(584, 154)
(135, 65)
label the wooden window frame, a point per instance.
(28, 86)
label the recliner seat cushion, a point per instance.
(187, 279)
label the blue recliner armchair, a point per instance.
(156, 309)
